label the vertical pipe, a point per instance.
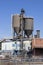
(21, 31)
(11, 25)
(34, 47)
(21, 21)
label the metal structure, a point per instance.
(28, 26)
(35, 36)
(22, 26)
(16, 23)
(38, 33)
(21, 23)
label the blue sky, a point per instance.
(33, 8)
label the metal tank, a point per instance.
(16, 23)
(38, 33)
(28, 26)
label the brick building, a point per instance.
(37, 46)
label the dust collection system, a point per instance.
(22, 26)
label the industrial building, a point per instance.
(37, 46)
(15, 45)
(22, 29)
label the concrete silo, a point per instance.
(16, 23)
(20, 25)
(28, 28)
